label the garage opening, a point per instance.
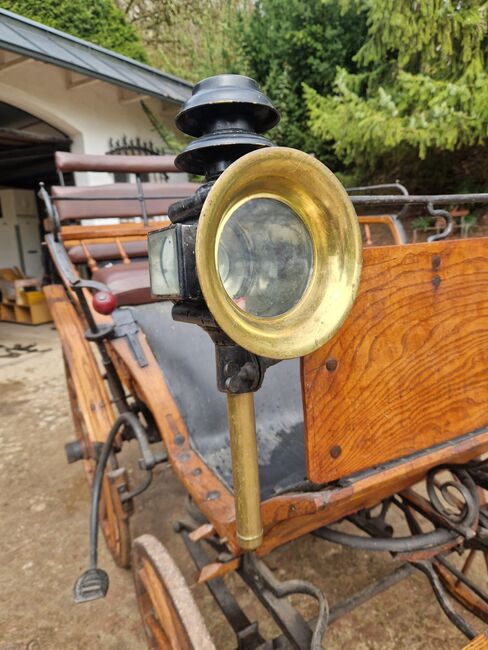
(27, 146)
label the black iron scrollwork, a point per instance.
(449, 223)
(456, 501)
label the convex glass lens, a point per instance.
(163, 262)
(265, 257)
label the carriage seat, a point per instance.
(128, 282)
(186, 356)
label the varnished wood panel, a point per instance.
(210, 495)
(479, 643)
(408, 369)
(94, 401)
(289, 516)
(74, 234)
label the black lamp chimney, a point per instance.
(226, 113)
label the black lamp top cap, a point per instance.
(226, 93)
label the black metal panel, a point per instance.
(185, 353)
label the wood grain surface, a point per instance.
(479, 643)
(72, 235)
(408, 368)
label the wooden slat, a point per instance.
(385, 220)
(408, 368)
(72, 235)
(217, 570)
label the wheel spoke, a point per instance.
(157, 632)
(467, 563)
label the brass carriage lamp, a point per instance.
(266, 257)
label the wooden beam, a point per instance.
(78, 81)
(7, 63)
(11, 136)
(204, 532)
(129, 97)
(217, 570)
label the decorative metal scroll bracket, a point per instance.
(428, 570)
(404, 200)
(449, 223)
(453, 507)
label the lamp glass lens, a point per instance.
(163, 262)
(265, 257)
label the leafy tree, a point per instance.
(288, 42)
(190, 38)
(418, 107)
(97, 21)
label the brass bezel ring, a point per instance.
(319, 199)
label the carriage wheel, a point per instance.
(459, 590)
(474, 567)
(171, 618)
(79, 425)
(472, 561)
(114, 521)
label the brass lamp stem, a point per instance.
(242, 427)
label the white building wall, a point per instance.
(89, 114)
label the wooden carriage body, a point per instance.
(398, 391)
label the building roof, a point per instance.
(37, 41)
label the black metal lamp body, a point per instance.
(227, 113)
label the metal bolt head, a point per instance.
(436, 280)
(335, 451)
(331, 364)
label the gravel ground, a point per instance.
(43, 545)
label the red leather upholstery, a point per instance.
(128, 282)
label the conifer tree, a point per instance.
(418, 107)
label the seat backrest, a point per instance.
(117, 200)
(186, 356)
(390, 221)
(77, 162)
(408, 369)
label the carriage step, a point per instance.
(91, 585)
